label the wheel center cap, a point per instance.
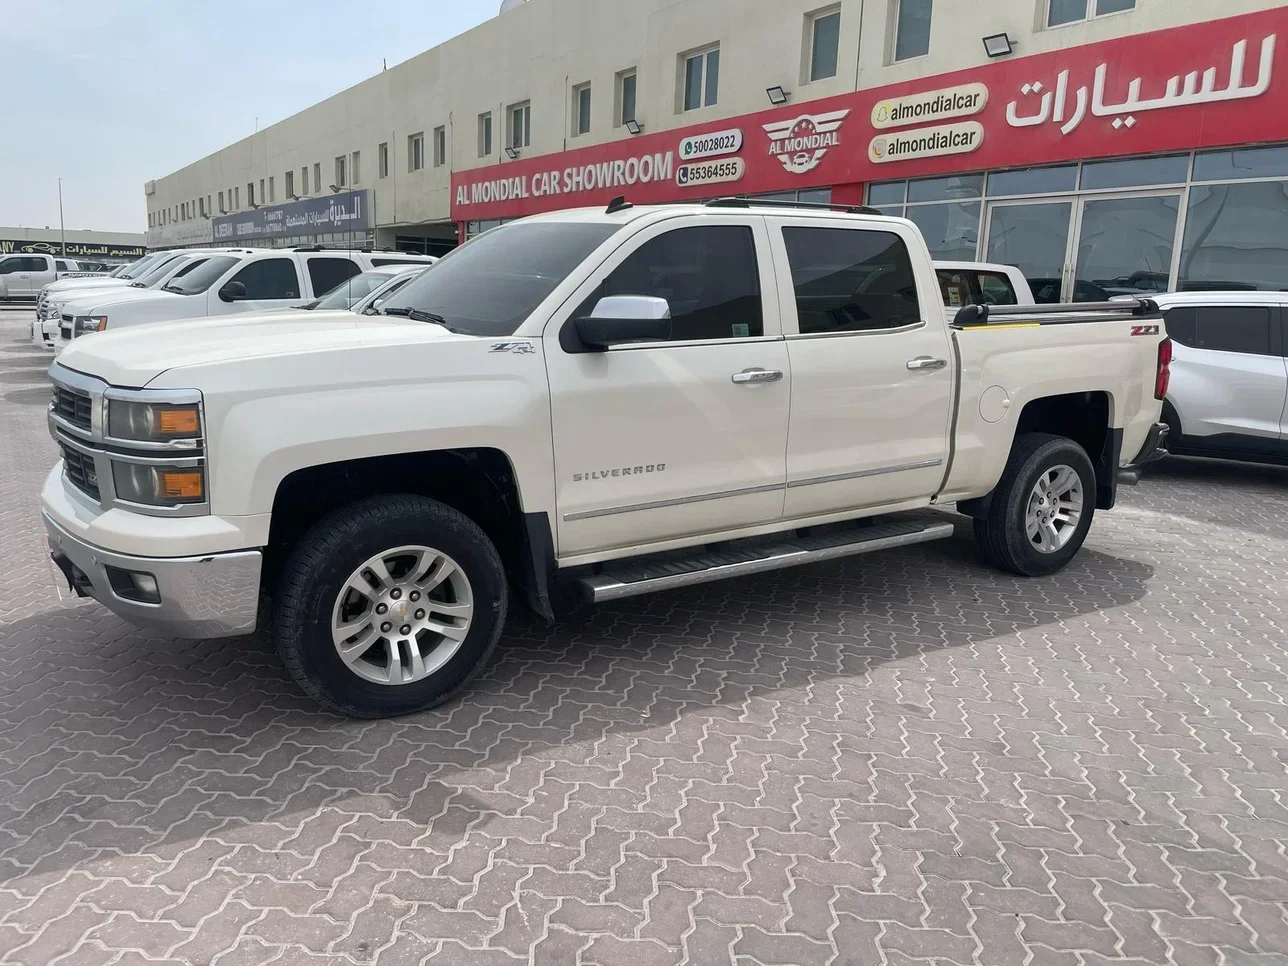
(400, 609)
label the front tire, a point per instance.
(1041, 509)
(390, 606)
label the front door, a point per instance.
(271, 283)
(661, 441)
(872, 374)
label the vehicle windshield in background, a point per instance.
(202, 277)
(344, 295)
(489, 285)
(140, 267)
(156, 274)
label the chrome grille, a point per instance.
(74, 407)
(79, 470)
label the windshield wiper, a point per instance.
(416, 315)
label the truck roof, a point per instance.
(619, 213)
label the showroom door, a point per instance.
(1034, 237)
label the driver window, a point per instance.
(11, 265)
(708, 275)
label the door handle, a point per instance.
(755, 376)
(926, 362)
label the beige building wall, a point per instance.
(540, 51)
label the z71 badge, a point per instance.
(1144, 330)
(518, 348)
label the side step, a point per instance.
(754, 555)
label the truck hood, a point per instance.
(71, 284)
(96, 300)
(134, 357)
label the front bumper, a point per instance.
(199, 597)
(1154, 449)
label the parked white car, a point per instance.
(1229, 389)
(618, 401)
(356, 293)
(52, 298)
(982, 283)
(23, 276)
(229, 282)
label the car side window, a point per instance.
(60, 266)
(270, 278)
(35, 264)
(326, 273)
(954, 287)
(11, 265)
(851, 280)
(1229, 328)
(708, 276)
(995, 289)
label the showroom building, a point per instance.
(1104, 146)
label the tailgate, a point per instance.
(1012, 355)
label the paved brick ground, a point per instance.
(906, 759)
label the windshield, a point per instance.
(346, 293)
(489, 285)
(136, 269)
(384, 296)
(201, 277)
(158, 272)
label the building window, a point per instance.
(354, 167)
(208, 211)
(485, 135)
(250, 193)
(580, 110)
(824, 43)
(304, 180)
(149, 219)
(237, 199)
(262, 196)
(1234, 238)
(382, 159)
(416, 151)
(440, 146)
(222, 209)
(1061, 12)
(701, 78)
(317, 177)
(341, 171)
(520, 121)
(912, 29)
(626, 86)
(289, 184)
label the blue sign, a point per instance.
(350, 211)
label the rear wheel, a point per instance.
(1041, 509)
(390, 606)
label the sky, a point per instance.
(108, 94)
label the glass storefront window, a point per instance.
(951, 231)
(894, 211)
(1234, 237)
(1033, 181)
(1136, 171)
(952, 188)
(887, 193)
(1241, 164)
(816, 196)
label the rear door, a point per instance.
(325, 272)
(1229, 383)
(872, 379)
(664, 440)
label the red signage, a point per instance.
(1213, 84)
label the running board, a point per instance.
(755, 555)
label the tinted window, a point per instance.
(35, 263)
(326, 273)
(850, 280)
(707, 275)
(201, 278)
(1235, 328)
(60, 266)
(995, 289)
(138, 268)
(377, 262)
(491, 284)
(11, 265)
(270, 278)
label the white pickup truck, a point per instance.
(616, 401)
(23, 276)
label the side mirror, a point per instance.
(625, 318)
(232, 291)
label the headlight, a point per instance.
(152, 422)
(159, 485)
(90, 323)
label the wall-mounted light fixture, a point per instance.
(777, 96)
(999, 45)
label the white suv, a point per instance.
(1229, 383)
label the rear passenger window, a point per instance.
(36, 264)
(1232, 328)
(326, 273)
(996, 289)
(61, 266)
(851, 280)
(708, 276)
(955, 288)
(271, 278)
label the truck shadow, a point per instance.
(116, 743)
(35, 396)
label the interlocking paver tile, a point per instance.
(887, 761)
